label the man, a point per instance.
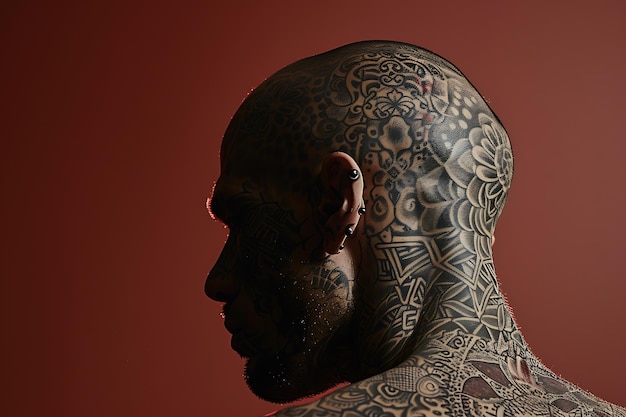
(361, 188)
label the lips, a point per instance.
(240, 341)
(231, 325)
(243, 346)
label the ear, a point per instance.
(342, 196)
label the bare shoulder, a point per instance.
(357, 401)
(368, 398)
(483, 386)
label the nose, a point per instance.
(221, 284)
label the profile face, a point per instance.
(288, 312)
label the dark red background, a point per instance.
(111, 118)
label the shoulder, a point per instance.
(352, 400)
(421, 390)
(391, 394)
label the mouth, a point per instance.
(243, 346)
(231, 326)
(239, 342)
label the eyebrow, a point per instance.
(214, 206)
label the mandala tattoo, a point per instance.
(458, 374)
(439, 166)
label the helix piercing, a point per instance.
(361, 211)
(349, 231)
(353, 174)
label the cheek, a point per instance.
(266, 304)
(328, 295)
(303, 307)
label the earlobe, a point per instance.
(342, 188)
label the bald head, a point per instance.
(432, 152)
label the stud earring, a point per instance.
(349, 232)
(353, 174)
(361, 211)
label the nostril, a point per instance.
(223, 297)
(221, 288)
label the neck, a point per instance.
(469, 300)
(423, 286)
(463, 296)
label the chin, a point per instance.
(284, 380)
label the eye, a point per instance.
(233, 225)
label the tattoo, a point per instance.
(438, 165)
(458, 374)
(432, 202)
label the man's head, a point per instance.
(316, 290)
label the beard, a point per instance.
(283, 380)
(311, 362)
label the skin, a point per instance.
(405, 305)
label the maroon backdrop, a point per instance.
(111, 117)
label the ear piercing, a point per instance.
(348, 233)
(353, 174)
(361, 211)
